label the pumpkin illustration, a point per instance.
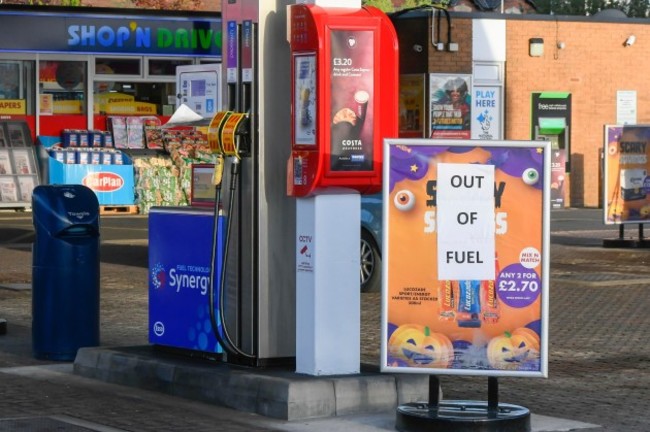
(417, 346)
(511, 350)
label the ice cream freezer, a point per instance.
(180, 251)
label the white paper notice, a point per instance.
(465, 204)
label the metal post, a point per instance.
(434, 394)
(493, 397)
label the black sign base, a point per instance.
(462, 416)
(622, 242)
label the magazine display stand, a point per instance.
(18, 168)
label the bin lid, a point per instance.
(57, 208)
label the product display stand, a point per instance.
(621, 241)
(460, 415)
(18, 166)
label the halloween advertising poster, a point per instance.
(352, 84)
(466, 247)
(627, 185)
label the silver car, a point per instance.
(371, 225)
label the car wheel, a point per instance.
(370, 264)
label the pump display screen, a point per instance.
(197, 88)
(202, 187)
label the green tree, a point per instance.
(410, 4)
(637, 8)
(383, 5)
(632, 8)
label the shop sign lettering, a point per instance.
(142, 37)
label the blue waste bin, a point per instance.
(65, 271)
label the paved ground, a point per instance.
(599, 346)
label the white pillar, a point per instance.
(328, 298)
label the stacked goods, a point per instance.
(86, 138)
(86, 147)
(188, 147)
(167, 181)
(157, 183)
(135, 132)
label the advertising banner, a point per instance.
(626, 182)
(179, 279)
(96, 33)
(486, 113)
(466, 246)
(450, 99)
(411, 106)
(304, 100)
(558, 171)
(352, 83)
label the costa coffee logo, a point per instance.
(103, 181)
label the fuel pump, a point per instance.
(228, 135)
(255, 293)
(256, 287)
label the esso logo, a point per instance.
(159, 328)
(103, 181)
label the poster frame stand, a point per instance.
(462, 415)
(458, 415)
(621, 241)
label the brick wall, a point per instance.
(446, 61)
(593, 65)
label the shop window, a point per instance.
(162, 67)
(146, 98)
(62, 87)
(11, 84)
(17, 87)
(118, 66)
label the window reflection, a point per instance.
(63, 84)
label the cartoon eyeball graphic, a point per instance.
(612, 149)
(530, 176)
(404, 200)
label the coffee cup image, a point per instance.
(361, 98)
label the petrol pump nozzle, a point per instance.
(217, 176)
(243, 137)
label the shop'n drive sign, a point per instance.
(465, 200)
